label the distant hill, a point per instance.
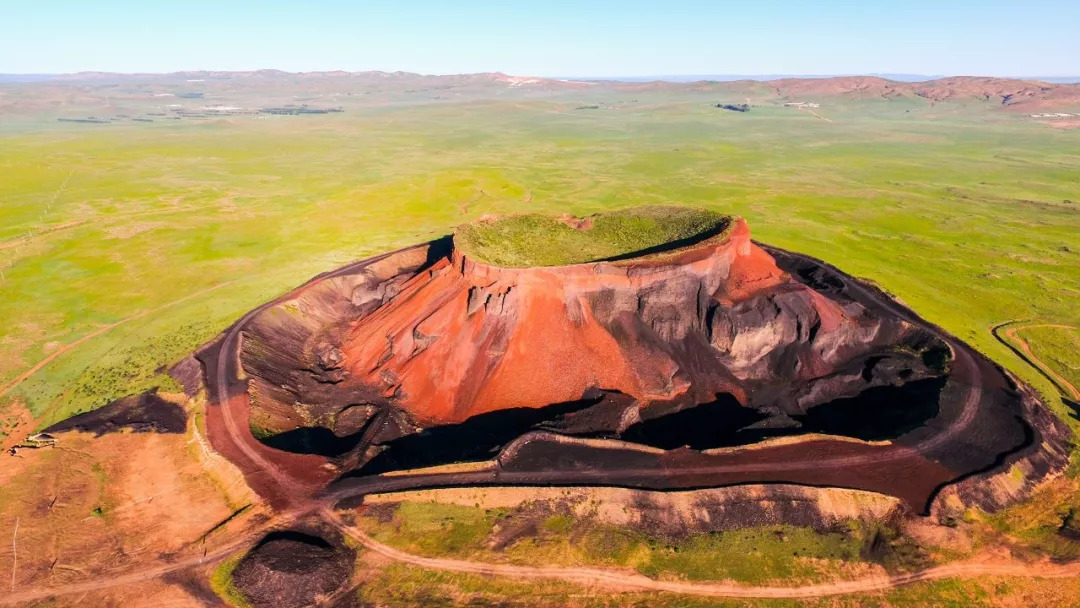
(8, 78)
(275, 86)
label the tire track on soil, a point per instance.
(1006, 333)
(23, 377)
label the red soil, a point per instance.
(445, 364)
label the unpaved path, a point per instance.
(627, 581)
(820, 116)
(104, 581)
(1006, 333)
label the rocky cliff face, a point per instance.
(430, 338)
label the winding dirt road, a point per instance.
(626, 581)
(1006, 333)
(612, 579)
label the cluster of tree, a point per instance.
(734, 107)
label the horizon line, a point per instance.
(670, 77)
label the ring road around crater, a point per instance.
(584, 375)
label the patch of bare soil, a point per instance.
(16, 426)
(577, 223)
(294, 568)
(91, 507)
(188, 373)
(146, 412)
(525, 522)
(176, 591)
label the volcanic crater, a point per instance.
(665, 354)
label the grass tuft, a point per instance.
(221, 581)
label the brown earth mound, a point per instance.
(293, 569)
(142, 413)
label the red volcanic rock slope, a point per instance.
(473, 338)
(440, 343)
(654, 371)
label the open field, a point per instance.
(1057, 347)
(965, 214)
(124, 246)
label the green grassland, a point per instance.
(1058, 347)
(159, 235)
(533, 239)
(967, 213)
(524, 536)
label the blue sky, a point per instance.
(552, 38)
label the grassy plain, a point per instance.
(138, 242)
(966, 214)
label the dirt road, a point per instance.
(616, 580)
(627, 581)
(97, 332)
(1006, 334)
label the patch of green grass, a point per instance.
(1035, 525)
(750, 555)
(543, 240)
(221, 581)
(559, 524)
(1058, 347)
(260, 432)
(435, 529)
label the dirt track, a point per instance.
(625, 581)
(1006, 334)
(97, 332)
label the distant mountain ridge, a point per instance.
(1010, 93)
(671, 78)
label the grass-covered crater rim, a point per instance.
(541, 240)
